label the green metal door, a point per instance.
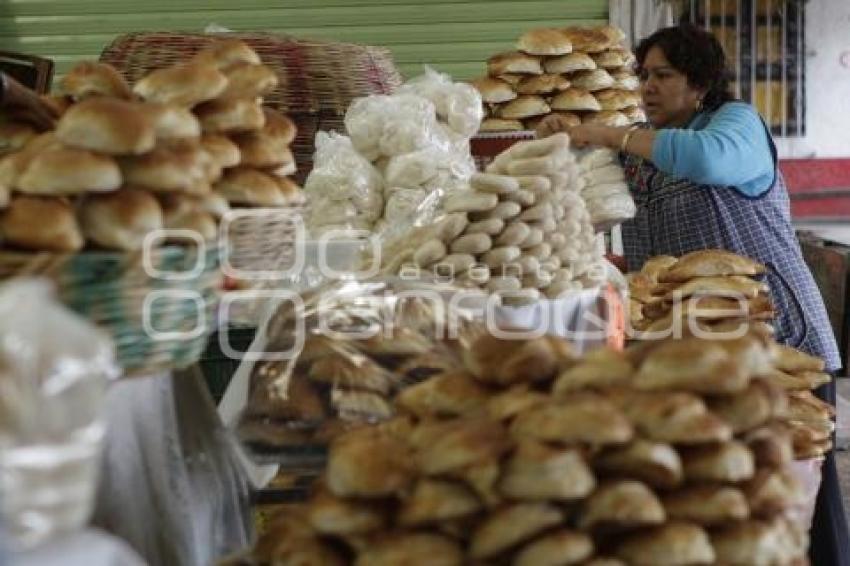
(452, 36)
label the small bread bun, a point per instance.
(247, 80)
(60, 171)
(185, 85)
(226, 53)
(250, 187)
(107, 125)
(120, 220)
(229, 116)
(92, 78)
(173, 122)
(183, 167)
(222, 149)
(41, 224)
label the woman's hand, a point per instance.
(588, 135)
(551, 125)
(26, 105)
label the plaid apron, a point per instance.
(676, 216)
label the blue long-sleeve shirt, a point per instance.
(728, 147)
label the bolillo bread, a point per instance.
(107, 125)
(62, 171)
(500, 125)
(247, 80)
(92, 78)
(611, 118)
(41, 224)
(544, 41)
(181, 167)
(173, 122)
(221, 149)
(524, 106)
(614, 99)
(542, 84)
(576, 100)
(597, 79)
(493, 91)
(120, 220)
(250, 187)
(187, 84)
(226, 53)
(513, 62)
(229, 116)
(588, 40)
(571, 63)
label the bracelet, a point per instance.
(628, 136)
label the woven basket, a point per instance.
(318, 79)
(110, 289)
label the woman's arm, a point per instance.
(732, 150)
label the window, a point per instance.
(764, 41)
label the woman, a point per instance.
(704, 175)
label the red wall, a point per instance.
(819, 188)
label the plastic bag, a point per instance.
(343, 188)
(353, 345)
(457, 104)
(392, 125)
(55, 370)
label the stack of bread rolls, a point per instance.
(521, 231)
(604, 189)
(171, 152)
(584, 74)
(812, 420)
(707, 290)
(526, 455)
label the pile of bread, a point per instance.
(671, 454)
(521, 231)
(604, 189)
(708, 290)
(583, 74)
(174, 151)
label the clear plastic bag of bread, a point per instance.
(458, 104)
(56, 367)
(387, 125)
(336, 357)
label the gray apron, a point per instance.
(676, 216)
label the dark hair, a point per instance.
(698, 55)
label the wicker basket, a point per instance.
(112, 290)
(318, 79)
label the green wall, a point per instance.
(455, 37)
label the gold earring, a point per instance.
(699, 105)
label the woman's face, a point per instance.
(668, 99)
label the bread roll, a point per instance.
(41, 224)
(634, 114)
(542, 84)
(120, 220)
(500, 125)
(228, 52)
(221, 149)
(614, 99)
(524, 106)
(181, 167)
(490, 226)
(107, 125)
(92, 78)
(185, 85)
(496, 184)
(597, 79)
(67, 171)
(625, 79)
(544, 41)
(259, 149)
(513, 62)
(611, 118)
(232, 115)
(181, 212)
(613, 58)
(279, 125)
(290, 190)
(248, 80)
(429, 253)
(503, 211)
(214, 204)
(493, 91)
(250, 187)
(472, 244)
(173, 122)
(576, 100)
(571, 63)
(469, 201)
(589, 40)
(14, 135)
